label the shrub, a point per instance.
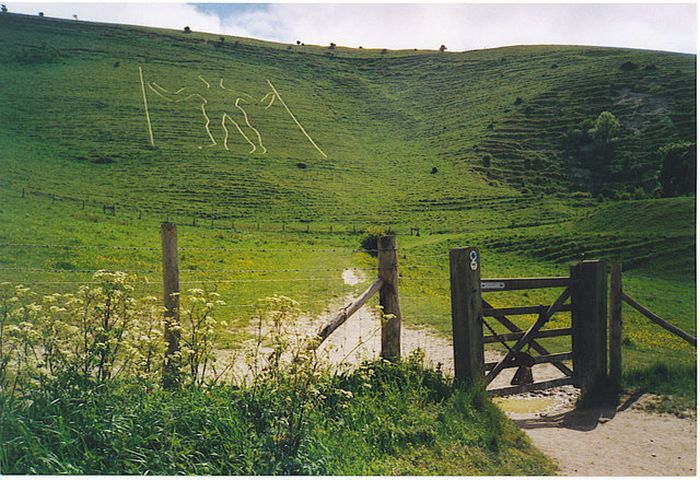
(187, 30)
(605, 128)
(628, 66)
(434, 170)
(486, 160)
(41, 14)
(442, 48)
(678, 167)
(553, 66)
(332, 45)
(298, 42)
(372, 234)
(518, 101)
(301, 165)
(3, 9)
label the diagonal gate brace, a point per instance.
(544, 318)
(534, 344)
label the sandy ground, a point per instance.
(622, 441)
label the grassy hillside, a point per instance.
(74, 110)
(470, 147)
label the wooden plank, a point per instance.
(389, 297)
(535, 346)
(589, 324)
(506, 284)
(554, 332)
(528, 310)
(659, 321)
(347, 312)
(465, 289)
(551, 358)
(615, 325)
(558, 382)
(544, 318)
(171, 302)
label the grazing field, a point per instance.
(276, 161)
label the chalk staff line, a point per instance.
(145, 106)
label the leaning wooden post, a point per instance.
(589, 325)
(389, 297)
(171, 301)
(465, 288)
(615, 340)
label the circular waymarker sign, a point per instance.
(473, 255)
(474, 265)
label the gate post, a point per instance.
(389, 297)
(616, 324)
(589, 325)
(465, 288)
(171, 301)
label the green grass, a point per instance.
(73, 133)
(390, 420)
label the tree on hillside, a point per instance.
(605, 128)
(677, 175)
(442, 48)
(3, 9)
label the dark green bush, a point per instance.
(372, 234)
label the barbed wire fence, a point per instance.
(110, 206)
(320, 289)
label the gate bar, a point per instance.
(559, 382)
(554, 332)
(505, 284)
(535, 345)
(551, 358)
(530, 333)
(529, 310)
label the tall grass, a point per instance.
(380, 419)
(80, 394)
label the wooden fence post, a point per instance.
(589, 325)
(465, 288)
(171, 301)
(615, 340)
(389, 297)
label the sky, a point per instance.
(460, 27)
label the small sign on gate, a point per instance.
(493, 285)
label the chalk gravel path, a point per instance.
(626, 441)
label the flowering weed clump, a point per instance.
(101, 332)
(81, 374)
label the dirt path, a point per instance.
(626, 441)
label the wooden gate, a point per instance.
(583, 293)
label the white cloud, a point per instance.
(459, 26)
(148, 14)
